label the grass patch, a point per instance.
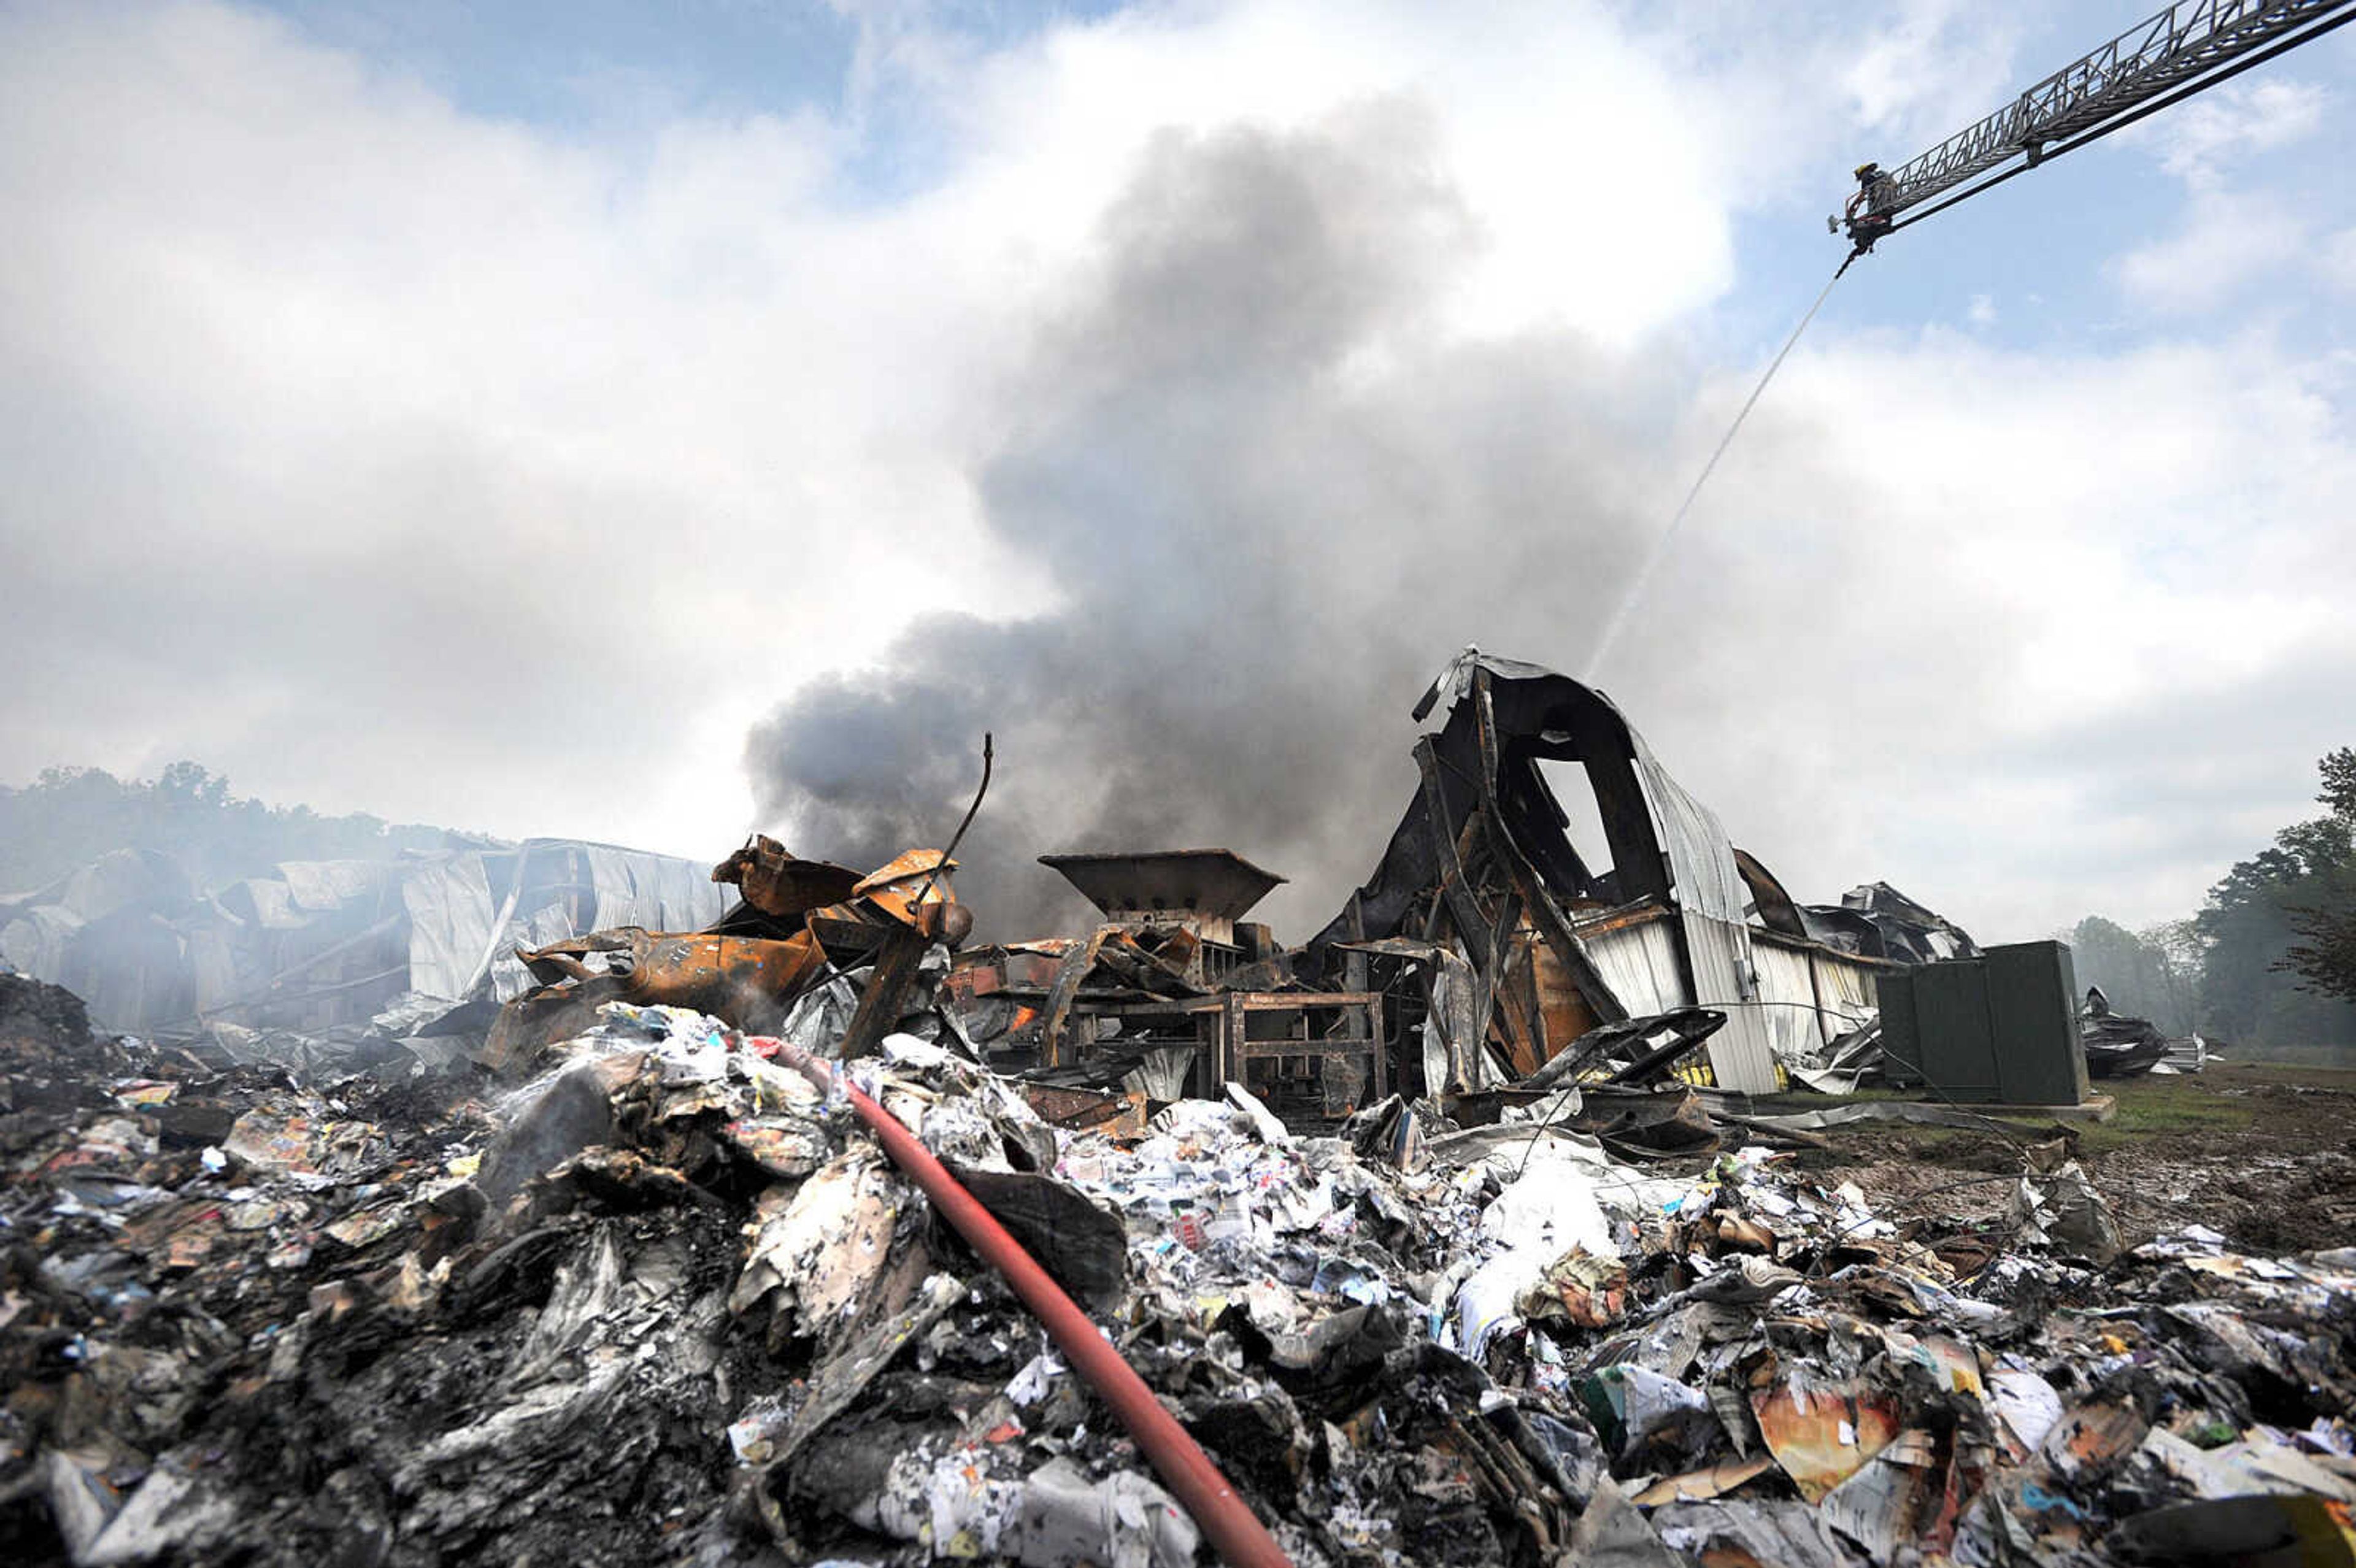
(2208, 1117)
(2165, 1107)
(2150, 1109)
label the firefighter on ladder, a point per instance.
(1867, 214)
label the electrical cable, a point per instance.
(989, 756)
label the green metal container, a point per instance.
(2001, 1028)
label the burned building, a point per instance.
(319, 946)
(762, 1234)
(1486, 943)
(1668, 914)
(1174, 989)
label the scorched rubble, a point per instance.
(664, 1302)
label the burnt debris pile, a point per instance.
(657, 1296)
(587, 1219)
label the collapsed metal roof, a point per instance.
(1483, 852)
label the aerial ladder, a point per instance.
(2188, 47)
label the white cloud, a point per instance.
(335, 409)
(2236, 229)
(386, 409)
(2336, 259)
(2226, 243)
(1590, 172)
(2056, 629)
(1929, 69)
(1982, 311)
(2199, 140)
(394, 457)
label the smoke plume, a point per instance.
(1266, 495)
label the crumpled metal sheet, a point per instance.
(777, 883)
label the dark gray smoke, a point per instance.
(1266, 499)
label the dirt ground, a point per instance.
(2265, 1155)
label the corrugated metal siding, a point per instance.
(1710, 894)
(652, 891)
(320, 887)
(450, 909)
(1848, 988)
(508, 977)
(38, 939)
(1739, 1054)
(1794, 1029)
(1639, 962)
(1701, 856)
(1813, 995)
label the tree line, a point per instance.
(2269, 962)
(70, 816)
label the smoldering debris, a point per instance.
(335, 966)
(816, 1234)
(2119, 1046)
(664, 1300)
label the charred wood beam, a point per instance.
(1454, 888)
(1525, 1035)
(886, 996)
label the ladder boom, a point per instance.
(2184, 43)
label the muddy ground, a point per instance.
(2265, 1155)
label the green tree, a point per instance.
(70, 816)
(2324, 918)
(2143, 975)
(2269, 929)
(2181, 957)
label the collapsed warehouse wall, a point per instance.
(1482, 865)
(1487, 943)
(317, 946)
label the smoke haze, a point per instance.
(1265, 501)
(493, 427)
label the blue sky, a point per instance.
(606, 70)
(415, 361)
(569, 65)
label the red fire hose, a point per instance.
(1177, 1458)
